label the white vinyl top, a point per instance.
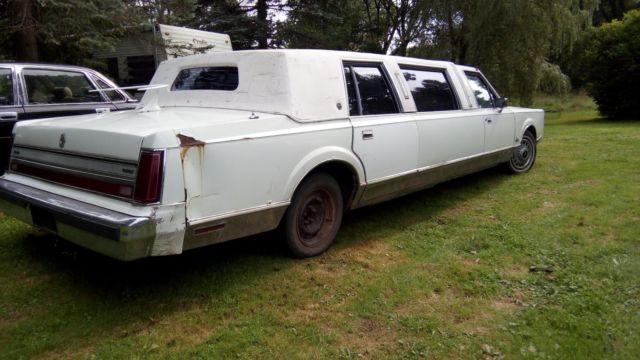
(306, 85)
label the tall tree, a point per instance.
(413, 19)
(23, 26)
(610, 10)
(170, 12)
(249, 23)
(613, 71)
(512, 41)
(54, 30)
(322, 24)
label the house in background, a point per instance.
(134, 59)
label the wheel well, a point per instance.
(532, 129)
(345, 175)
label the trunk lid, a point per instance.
(121, 135)
(116, 154)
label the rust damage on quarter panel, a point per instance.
(187, 142)
(191, 169)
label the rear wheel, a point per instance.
(524, 155)
(314, 216)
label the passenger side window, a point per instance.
(354, 106)
(430, 88)
(482, 92)
(58, 87)
(6, 87)
(369, 90)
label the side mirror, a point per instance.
(502, 102)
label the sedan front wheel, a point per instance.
(524, 155)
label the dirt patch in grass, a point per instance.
(515, 271)
(373, 254)
(370, 337)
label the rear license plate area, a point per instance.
(43, 218)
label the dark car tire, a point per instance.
(524, 156)
(314, 216)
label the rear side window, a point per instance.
(113, 95)
(430, 88)
(369, 90)
(207, 78)
(481, 90)
(6, 87)
(58, 87)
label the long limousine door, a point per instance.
(384, 139)
(448, 136)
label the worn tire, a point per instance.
(312, 220)
(524, 156)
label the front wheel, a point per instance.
(314, 216)
(524, 155)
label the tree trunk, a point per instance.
(25, 45)
(263, 26)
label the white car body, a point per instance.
(233, 160)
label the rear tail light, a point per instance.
(106, 187)
(149, 178)
(146, 189)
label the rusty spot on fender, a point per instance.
(187, 142)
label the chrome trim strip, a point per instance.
(488, 153)
(240, 224)
(398, 186)
(345, 124)
(209, 219)
(431, 167)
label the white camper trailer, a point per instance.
(179, 41)
(133, 60)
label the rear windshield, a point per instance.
(207, 78)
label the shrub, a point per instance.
(552, 81)
(613, 67)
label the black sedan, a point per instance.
(34, 91)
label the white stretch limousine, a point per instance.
(232, 144)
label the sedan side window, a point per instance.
(372, 90)
(482, 92)
(430, 88)
(113, 95)
(6, 87)
(58, 87)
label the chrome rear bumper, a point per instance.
(114, 234)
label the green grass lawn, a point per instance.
(444, 273)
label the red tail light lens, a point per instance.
(149, 178)
(101, 186)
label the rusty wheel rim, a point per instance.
(316, 218)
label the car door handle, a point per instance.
(102, 110)
(8, 116)
(488, 121)
(367, 134)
